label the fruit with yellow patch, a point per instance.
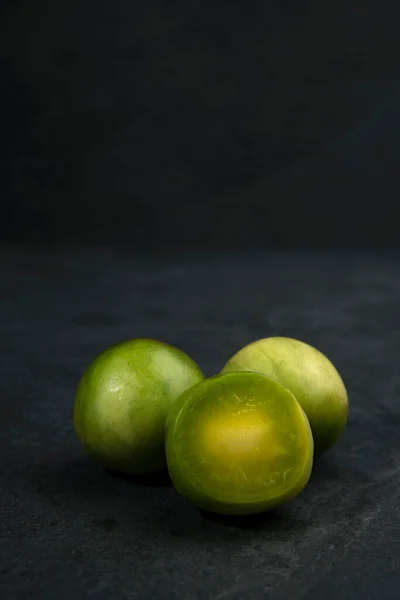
(238, 444)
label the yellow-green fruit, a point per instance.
(238, 444)
(308, 374)
(122, 401)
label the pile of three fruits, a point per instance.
(240, 442)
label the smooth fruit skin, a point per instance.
(308, 374)
(238, 444)
(122, 401)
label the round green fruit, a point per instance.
(308, 374)
(122, 401)
(238, 444)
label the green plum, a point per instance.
(238, 444)
(308, 374)
(122, 401)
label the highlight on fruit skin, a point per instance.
(308, 374)
(238, 444)
(122, 401)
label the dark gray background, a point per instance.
(200, 123)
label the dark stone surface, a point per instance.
(68, 529)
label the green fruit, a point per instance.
(238, 444)
(308, 374)
(122, 400)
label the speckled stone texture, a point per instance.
(69, 530)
